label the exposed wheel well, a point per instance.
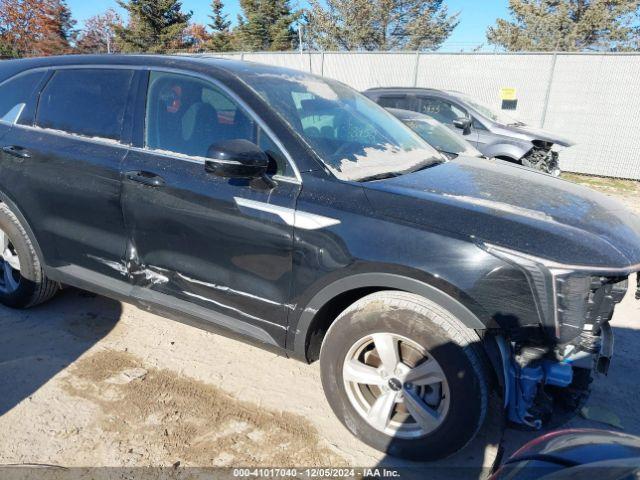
(328, 313)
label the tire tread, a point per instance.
(44, 289)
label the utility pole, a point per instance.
(300, 46)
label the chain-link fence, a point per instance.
(593, 99)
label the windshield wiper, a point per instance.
(380, 176)
(422, 166)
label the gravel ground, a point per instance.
(88, 381)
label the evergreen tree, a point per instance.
(379, 24)
(266, 25)
(568, 25)
(221, 36)
(155, 26)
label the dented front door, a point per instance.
(210, 242)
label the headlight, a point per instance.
(570, 300)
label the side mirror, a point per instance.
(236, 159)
(463, 124)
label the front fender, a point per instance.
(300, 331)
(509, 150)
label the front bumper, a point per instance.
(525, 380)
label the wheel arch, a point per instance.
(329, 302)
(25, 224)
(507, 151)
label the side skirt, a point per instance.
(165, 306)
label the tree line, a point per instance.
(46, 27)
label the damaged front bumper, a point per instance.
(553, 364)
(532, 379)
(543, 159)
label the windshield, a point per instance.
(354, 137)
(498, 117)
(440, 137)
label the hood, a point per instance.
(469, 152)
(525, 132)
(513, 207)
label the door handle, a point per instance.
(146, 178)
(16, 151)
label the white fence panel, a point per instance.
(366, 70)
(482, 77)
(595, 100)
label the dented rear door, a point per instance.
(65, 173)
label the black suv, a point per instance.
(291, 211)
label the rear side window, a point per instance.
(86, 102)
(15, 93)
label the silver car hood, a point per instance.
(528, 133)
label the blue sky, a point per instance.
(475, 16)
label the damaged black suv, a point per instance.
(291, 211)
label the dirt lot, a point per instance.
(87, 381)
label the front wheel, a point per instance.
(404, 376)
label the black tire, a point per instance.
(33, 286)
(445, 339)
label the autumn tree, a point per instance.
(379, 24)
(154, 26)
(568, 25)
(35, 27)
(266, 25)
(196, 38)
(221, 40)
(99, 33)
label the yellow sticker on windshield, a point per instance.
(508, 93)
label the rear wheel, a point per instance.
(22, 281)
(404, 376)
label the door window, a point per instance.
(14, 95)
(88, 102)
(187, 115)
(396, 101)
(442, 110)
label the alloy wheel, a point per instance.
(9, 265)
(395, 385)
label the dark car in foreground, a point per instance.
(291, 211)
(494, 133)
(575, 454)
(436, 134)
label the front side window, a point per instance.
(15, 93)
(440, 137)
(352, 135)
(187, 115)
(487, 112)
(442, 110)
(88, 102)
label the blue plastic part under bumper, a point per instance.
(523, 384)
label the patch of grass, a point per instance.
(605, 183)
